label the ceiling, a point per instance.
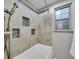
(38, 6)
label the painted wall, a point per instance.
(62, 40)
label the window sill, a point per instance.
(67, 31)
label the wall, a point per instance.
(26, 40)
(42, 25)
(46, 29)
(72, 51)
(62, 40)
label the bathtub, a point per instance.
(38, 51)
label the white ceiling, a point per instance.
(38, 5)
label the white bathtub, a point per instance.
(39, 51)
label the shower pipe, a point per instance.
(8, 29)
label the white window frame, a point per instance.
(62, 7)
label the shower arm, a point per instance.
(10, 14)
(8, 28)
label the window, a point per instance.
(32, 31)
(25, 21)
(62, 17)
(15, 33)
